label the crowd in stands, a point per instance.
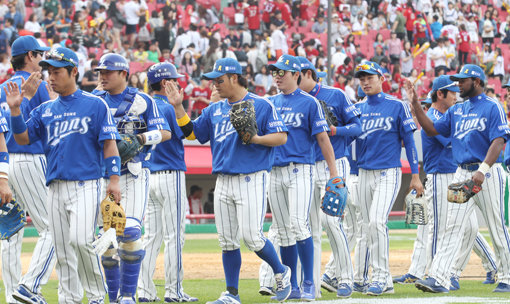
(419, 39)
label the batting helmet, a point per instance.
(162, 70)
(113, 62)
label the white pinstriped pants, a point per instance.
(73, 208)
(490, 201)
(28, 184)
(164, 221)
(378, 190)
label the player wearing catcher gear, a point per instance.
(74, 122)
(166, 209)
(478, 129)
(386, 122)
(240, 194)
(440, 167)
(292, 178)
(140, 124)
(27, 165)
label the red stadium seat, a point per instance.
(385, 33)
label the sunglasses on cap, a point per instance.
(453, 84)
(363, 67)
(279, 73)
(55, 55)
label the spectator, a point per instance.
(286, 12)
(143, 31)
(463, 41)
(264, 79)
(451, 55)
(450, 13)
(349, 87)
(379, 55)
(5, 64)
(410, 15)
(232, 39)
(118, 20)
(209, 205)
(504, 30)
(472, 28)
(346, 68)
(187, 64)
(141, 55)
(359, 27)
(438, 56)
(90, 78)
(436, 27)
(421, 34)
(156, 23)
(91, 39)
(399, 26)
(487, 27)
(278, 42)
(182, 41)
(394, 48)
(379, 22)
(14, 15)
(499, 65)
(277, 20)
(134, 81)
(379, 41)
(200, 98)
(487, 58)
(350, 45)
(269, 9)
(252, 15)
(211, 55)
(52, 6)
(133, 10)
(195, 201)
(225, 52)
(319, 26)
(76, 28)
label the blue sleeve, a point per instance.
(34, 125)
(349, 114)
(202, 126)
(108, 129)
(270, 120)
(412, 154)
(4, 125)
(442, 125)
(498, 125)
(152, 117)
(317, 121)
(407, 122)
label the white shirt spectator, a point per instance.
(488, 29)
(194, 37)
(3, 10)
(450, 15)
(181, 42)
(81, 65)
(279, 41)
(252, 55)
(452, 31)
(33, 27)
(228, 54)
(131, 10)
(438, 56)
(472, 29)
(499, 66)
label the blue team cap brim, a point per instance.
(281, 66)
(213, 75)
(359, 73)
(322, 74)
(55, 63)
(454, 89)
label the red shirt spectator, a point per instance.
(183, 83)
(251, 13)
(201, 97)
(410, 15)
(269, 8)
(464, 42)
(284, 7)
(303, 11)
(344, 69)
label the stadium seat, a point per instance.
(385, 33)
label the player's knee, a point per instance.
(254, 243)
(109, 262)
(131, 252)
(377, 223)
(131, 234)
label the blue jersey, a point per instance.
(304, 118)
(168, 155)
(473, 125)
(150, 116)
(385, 121)
(345, 112)
(41, 95)
(72, 130)
(437, 150)
(353, 164)
(230, 155)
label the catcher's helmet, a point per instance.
(162, 70)
(113, 62)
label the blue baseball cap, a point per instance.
(224, 66)
(444, 82)
(60, 57)
(286, 63)
(162, 70)
(369, 67)
(361, 93)
(25, 44)
(469, 71)
(305, 64)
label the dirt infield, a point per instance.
(208, 265)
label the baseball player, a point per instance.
(292, 178)
(440, 166)
(134, 112)
(386, 122)
(348, 126)
(166, 209)
(27, 165)
(478, 129)
(240, 194)
(75, 121)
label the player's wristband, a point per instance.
(333, 130)
(4, 163)
(18, 124)
(153, 137)
(484, 168)
(183, 120)
(112, 164)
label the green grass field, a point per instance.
(472, 291)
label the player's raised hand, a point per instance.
(13, 96)
(30, 86)
(174, 94)
(410, 91)
(215, 96)
(53, 95)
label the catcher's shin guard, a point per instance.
(131, 256)
(112, 276)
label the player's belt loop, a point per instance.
(470, 166)
(163, 172)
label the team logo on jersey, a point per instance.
(463, 127)
(217, 112)
(61, 129)
(458, 111)
(383, 173)
(247, 179)
(223, 129)
(372, 125)
(47, 113)
(296, 170)
(293, 119)
(487, 175)
(81, 183)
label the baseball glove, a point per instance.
(461, 192)
(330, 117)
(113, 215)
(12, 220)
(417, 211)
(242, 117)
(333, 202)
(128, 147)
